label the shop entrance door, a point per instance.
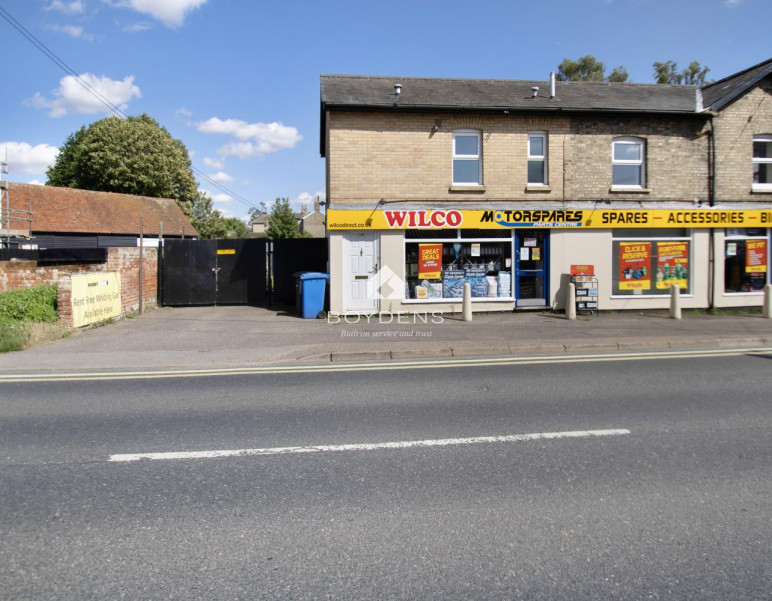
(361, 273)
(531, 261)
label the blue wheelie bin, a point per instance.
(310, 293)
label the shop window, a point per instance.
(649, 265)
(467, 158)
(762, 163)
(746, 260)
(437, 270)
(628, 160)
(537, 159)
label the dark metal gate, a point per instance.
(214, 272)
(290, 256)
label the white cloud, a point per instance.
(732, 3)
(68, 8)
(74, 31)
(214, 163)
(36, 182)
(171, 13)
(255, 139)
(222, 199)
(72, 97)
(137, 27)
(221, 177)
(25, 158)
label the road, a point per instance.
(662, 488)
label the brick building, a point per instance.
(508, 184)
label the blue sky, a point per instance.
(238, 80)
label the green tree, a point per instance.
(233, 227)
(131, 156)
(588, 68)
(668, 73)
(204, 217)
(258, 211)
(282, 222)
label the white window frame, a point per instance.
(740, 235)
(641, 163)
(762, 161)
(542, 158)
(467, 157)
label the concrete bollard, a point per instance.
(467, 302)
(675, 302)
(768, 301)
(571, 301)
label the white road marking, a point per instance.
(443, 442)
(371, 366)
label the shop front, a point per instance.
(416, 260)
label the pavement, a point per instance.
(242, 336)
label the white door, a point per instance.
(361, 273)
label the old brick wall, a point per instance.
(735, 127)
(23, 274)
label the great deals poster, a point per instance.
(430, 261)
(756, 256)
(635, 265)
(672, 264)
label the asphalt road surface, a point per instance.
(636, 479)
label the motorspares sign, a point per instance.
(493, 218)
(95, 297)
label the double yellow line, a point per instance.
(87, 376)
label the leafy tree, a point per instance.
(282, 222)
(204, 217)
(667, 72)
(233, 227)
(588, 68)
(131, 156)
(257, 211)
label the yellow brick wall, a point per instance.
(735, 127)
(398, 156)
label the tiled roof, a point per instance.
(717, 95)
(68, 210)
(357, 91)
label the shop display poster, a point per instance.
(430, 261)
(635, 266)
(756, 256)
(672, 264)
(453, 283)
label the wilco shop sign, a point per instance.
(95, 297)
(399, 219)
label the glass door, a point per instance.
(531, 261)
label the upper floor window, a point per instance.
(537, 159)
(762, 162)
(467, 158)
(628, 159)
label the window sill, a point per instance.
(538, 188)
(629, 190)
(761, 189)
(475, 189)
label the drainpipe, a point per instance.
(711, 203)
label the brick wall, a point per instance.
(676, 158)
(735, 127)
(23, 274)
(398, 156)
